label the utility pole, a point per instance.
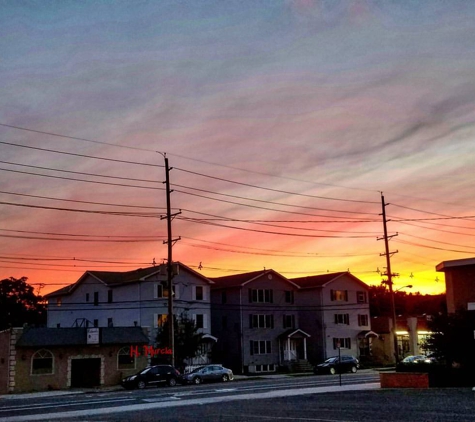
(390, 275)
(170, 241)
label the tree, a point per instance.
(19, 305)
(453, 340)
(406, 303)
(188, 339)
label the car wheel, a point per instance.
(225, 378)
(172, 382)
(197, 380)
(332, 371)
(354, 369)
(141, 385)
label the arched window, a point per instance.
(42, 363)
(125, 359)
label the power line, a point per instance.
(81, 155)
(277, 190)
(75, 138)
(83, 202)
(81, 180)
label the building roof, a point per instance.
(239, 280)
(120, 278)
(445, 265)
(47, 337)
(322, 280)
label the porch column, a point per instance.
(305, 348)
(288, 348)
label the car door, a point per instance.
(152, 376)
(206, 373)
(215, 372)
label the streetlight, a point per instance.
(409, 286)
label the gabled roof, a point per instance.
(322, 280)
(120, 278)
(47, 337)
(240, 280)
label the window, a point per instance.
(261, 295)
(289, 296)
(160, 319)
(265, 368)
(109, 296)
(361, 297)
(110, 322)
(363, 320)
(342, 319)
(96, 323)
(289, 321)
(59, 301)
(260, 347)
(199, 293)
(161, 291)
(96, 298)
(339, 295)
(87, 297)
(224, 298)
(42, 362)
(125, 359)
(261, 321)
(343, 343)
(200, 320)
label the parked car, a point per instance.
(207, 373)
(334, 365)
(152, 375)
(415, 363)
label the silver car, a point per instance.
(207, 373)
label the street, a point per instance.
(307, 398)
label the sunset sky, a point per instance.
(283, 122)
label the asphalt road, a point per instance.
(438, 405)
(313, 398)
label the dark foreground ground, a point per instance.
(431, 405)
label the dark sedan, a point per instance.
(335, 365)
(208, 373)
(152, 375)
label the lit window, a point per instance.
(160, 319)
(339, 295)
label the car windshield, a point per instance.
(331, 360)
(144, 371)
(197, 369)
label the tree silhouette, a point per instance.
(19, 305)
(188, 339)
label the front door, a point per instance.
(290, 350)
(86, 372)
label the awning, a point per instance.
(295, 332)
(367, 333)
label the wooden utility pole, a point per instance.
(390, 275)
(170, 241)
